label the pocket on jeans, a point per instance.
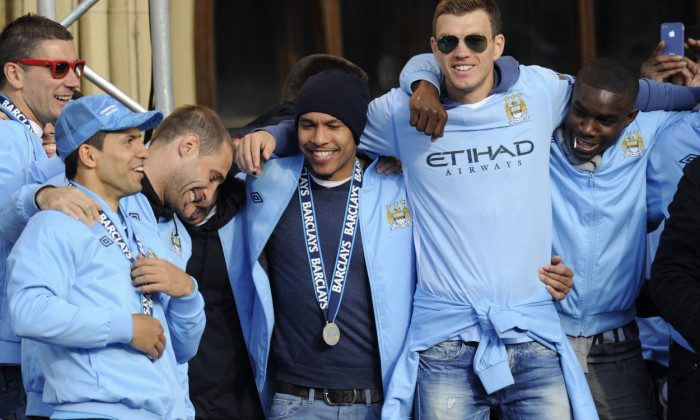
(447, 350)
(542, 350)
(286, 406)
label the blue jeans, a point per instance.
(285, 406)
(13, 400)
(448, 388)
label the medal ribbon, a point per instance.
(329, 298)
(146, 298)
(14, 113)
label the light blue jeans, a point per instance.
(285, 406)
(448, 388)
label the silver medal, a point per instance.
(331, 334)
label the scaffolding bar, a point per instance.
(112, 90)
(77, 12)
(162, 57)
(46, 8)
(160, 44)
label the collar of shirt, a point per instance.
(159, 210)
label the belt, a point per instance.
(617, 335)
(331, 396)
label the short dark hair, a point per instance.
(71, 161)
(197, 119)
(20, 38)
(609, 74)
(314, 64)
(462, 7)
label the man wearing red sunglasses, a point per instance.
(40, 70)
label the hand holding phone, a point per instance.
(673, 35)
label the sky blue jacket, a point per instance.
(81, 312)
(600, 227)
(23, 163)
(389, 258)
(14, 218)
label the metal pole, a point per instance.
(162, 58)
(77, 12)
(112, 90)
(46, 8)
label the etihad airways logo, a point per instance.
(469, 161)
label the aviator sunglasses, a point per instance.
(59, 69)
(477, 43)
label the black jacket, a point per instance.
(222, 385)
(675, 273)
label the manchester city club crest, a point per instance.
(398, 215)
(516, 110)
(632, 145)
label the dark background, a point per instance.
(257, 42)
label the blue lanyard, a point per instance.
(329, 298)
(146, 298)
(13, 112)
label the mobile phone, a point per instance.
(673, 34)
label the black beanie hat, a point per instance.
(338, 94)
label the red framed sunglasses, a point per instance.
(59, 68)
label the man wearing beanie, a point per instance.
(112, 327)
(326, 319)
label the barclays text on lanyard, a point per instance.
(329, 298)
(146, 298)
(13, 112)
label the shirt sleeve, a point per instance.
(186, 322)
(22, 206)
(285, 134)
(378, 137)
(659, 96)
(18, 166)
(420, 67)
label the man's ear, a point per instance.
(631, 116)
(189, 145)
(499, 43)
(14, 75)
(433, 45)
(87, 155)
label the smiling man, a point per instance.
(191, 154)
(110, 329)
(597, 165)
(598, 169)
(338, 284)
(39, 70)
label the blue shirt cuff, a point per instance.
(122, 328)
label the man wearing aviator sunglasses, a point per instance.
(31, 97)
(59, 69)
